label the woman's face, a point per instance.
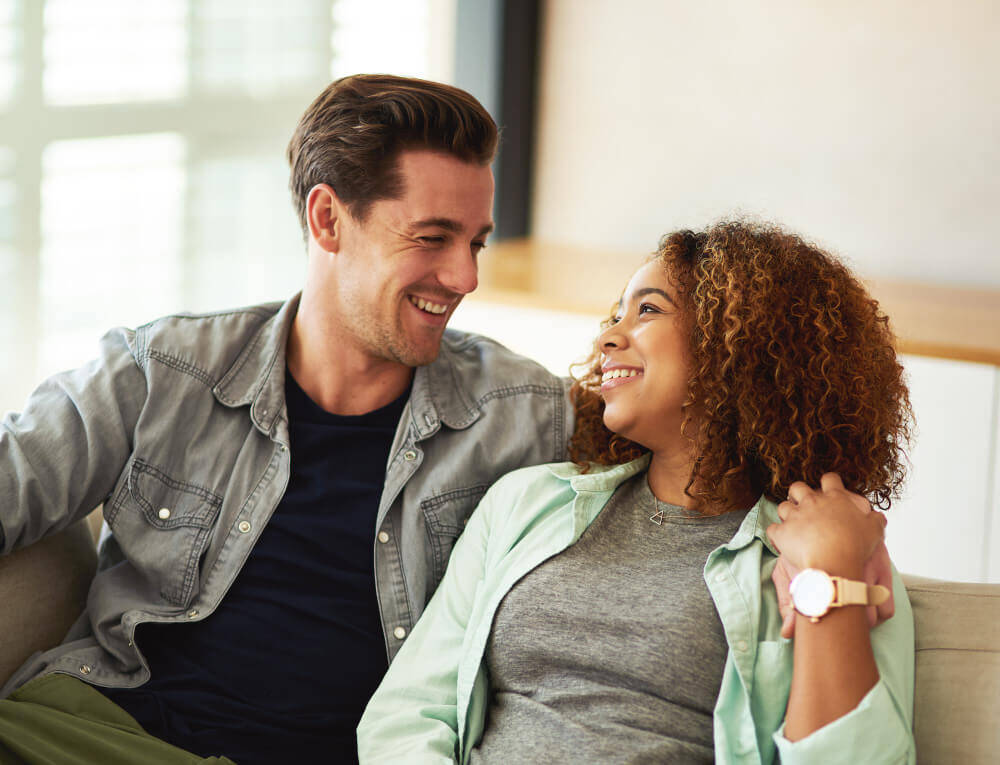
(646, 361)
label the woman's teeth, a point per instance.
(426, 305)
(614, 374)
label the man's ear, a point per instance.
(325, 216)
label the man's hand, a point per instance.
(877, 568)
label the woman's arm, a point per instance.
(413, 716)
(834, 665)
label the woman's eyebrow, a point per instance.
(654, 291)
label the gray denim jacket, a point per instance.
(180, 429)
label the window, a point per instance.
(112, 220)
(9, 68)
(114, 51)
(142, 166)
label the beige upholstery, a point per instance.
(957, 709)
(43, 588)
(956, 717)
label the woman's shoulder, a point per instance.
(550, 475)
(564, 477)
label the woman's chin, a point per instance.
(620, 426)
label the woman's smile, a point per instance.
(613, 376)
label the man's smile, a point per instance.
(427, 306)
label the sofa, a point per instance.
(957, 705)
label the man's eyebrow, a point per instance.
(447, 224)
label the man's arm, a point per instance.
(61, 456)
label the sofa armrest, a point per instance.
(43, 589)
(957, 674)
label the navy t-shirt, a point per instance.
(282, 670)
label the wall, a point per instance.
(870, 127)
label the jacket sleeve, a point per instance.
(413, 716)
(880, 728)
(61, 456)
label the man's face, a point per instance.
(402, 272)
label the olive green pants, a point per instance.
(57, 720)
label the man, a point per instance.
(283, 483)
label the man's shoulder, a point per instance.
(206, 340)
(482, 362)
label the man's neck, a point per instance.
(337, 379)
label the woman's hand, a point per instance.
(877, 568)
(830, 528)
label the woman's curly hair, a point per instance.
(793, 371)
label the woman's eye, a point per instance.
(647, 308)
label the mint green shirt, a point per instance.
(431, 706)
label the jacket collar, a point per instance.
(257, 377)
(438, 395)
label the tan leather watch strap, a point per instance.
(850, 592)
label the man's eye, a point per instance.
(430, 239)
(479, 246)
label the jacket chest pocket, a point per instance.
(444, 520)
(162, 526)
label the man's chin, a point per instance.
(418, 355)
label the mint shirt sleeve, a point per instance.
(880, 728)
(413, 716)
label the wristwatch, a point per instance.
(815, 592)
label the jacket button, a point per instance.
(409, 455)
(383, 537)
(84, 669)
(399, 633)
(164, 513)
(192, 613)
(244, 527)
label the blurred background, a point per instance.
(142, 172)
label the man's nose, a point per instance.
(460, 271)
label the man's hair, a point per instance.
(351, 136)
(793, 370)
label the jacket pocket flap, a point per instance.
(167, 502)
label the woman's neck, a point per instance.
(670, 473)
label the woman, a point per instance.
(621, 607)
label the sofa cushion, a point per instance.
(957, 670)
(43, 589)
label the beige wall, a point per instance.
(872, 127)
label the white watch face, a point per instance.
(812, 592)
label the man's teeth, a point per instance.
(426, 305)
(614, 374)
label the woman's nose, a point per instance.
(611, 339)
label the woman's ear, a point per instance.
(324, 214)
